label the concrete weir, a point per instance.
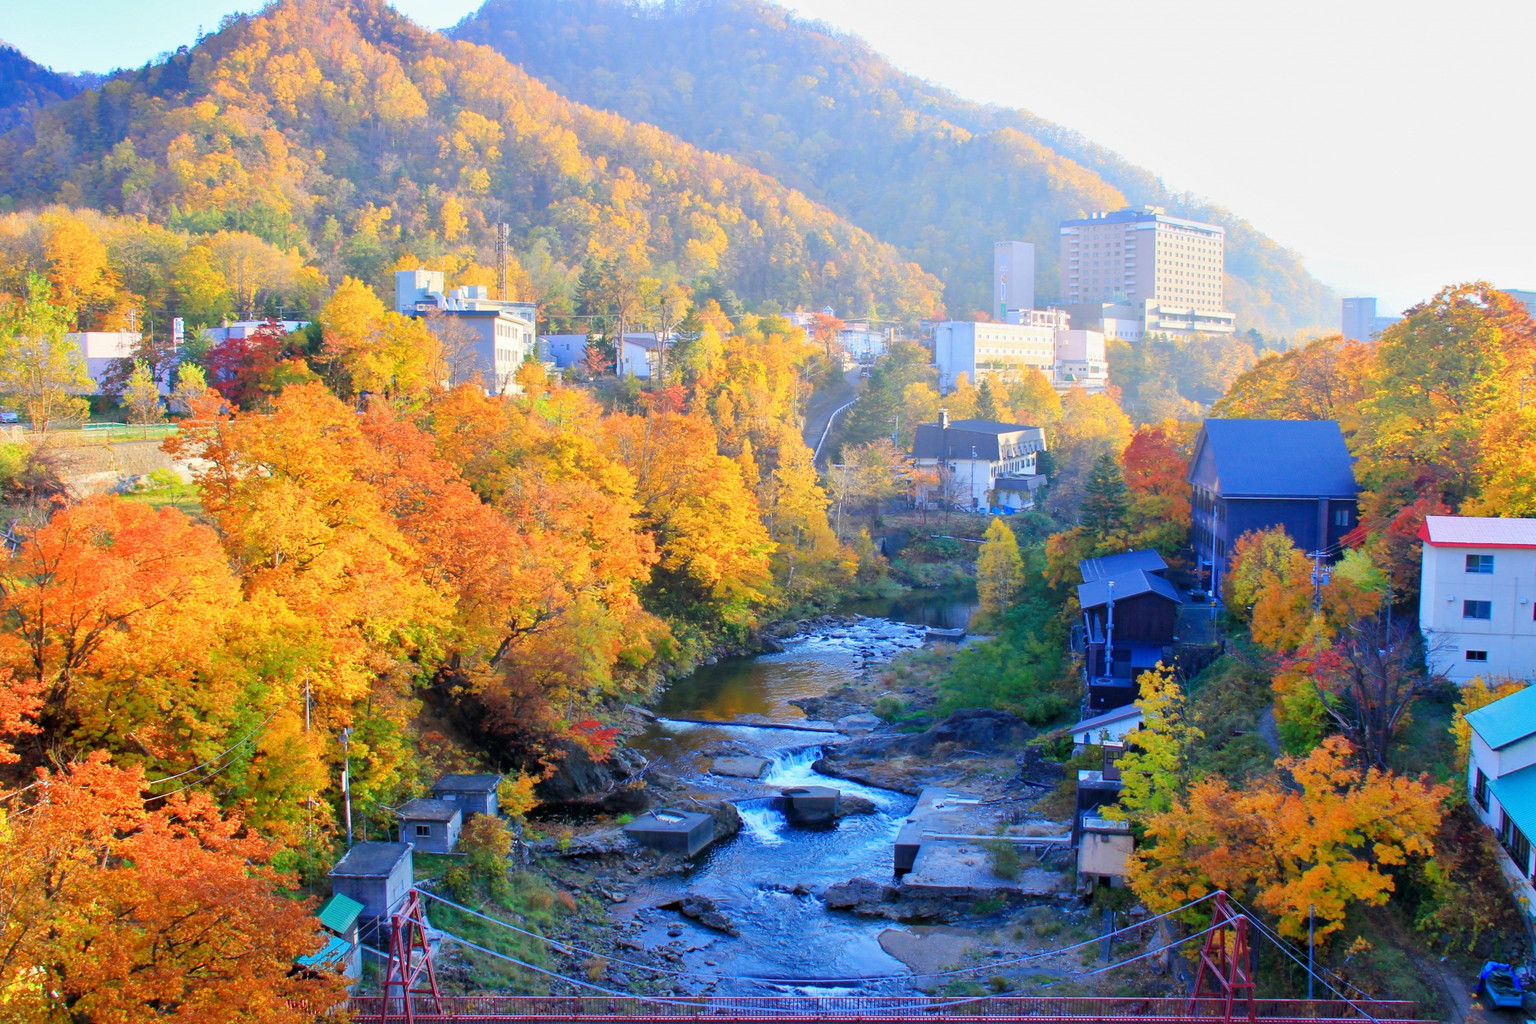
(684, 832)
(942, 849)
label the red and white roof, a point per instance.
(1479, 532)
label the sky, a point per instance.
(1388, 142)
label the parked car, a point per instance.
(9, 416)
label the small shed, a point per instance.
(377, 875)
(475, 794)
(338, 917)
(432, 826)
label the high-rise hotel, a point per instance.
(1169, 271)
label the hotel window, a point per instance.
(1482, 564)
(1477, 656)
(1477, 609)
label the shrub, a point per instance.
(888, 707)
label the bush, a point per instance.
(1005, 860)
(888, 708)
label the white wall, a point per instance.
(1509, 636)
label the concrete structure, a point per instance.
(1080, 360)
(969, 457)
(1170, 270)
(503, 331)
(684, 832)
(812, 806)
(1103, 845)
(1501, 779)
(1360, 322)
(100, 349)
(1477, 596)
(1013, 277)
(1257, 474)
(475, 793)
(338, 917)
(944, 849)
(961, 346)
(377, 875)
(432, 826)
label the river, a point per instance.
(762, 878)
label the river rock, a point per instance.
(854, 804)
(856, 893)
(703, 910)
(578, 779)
(858, 725)
(740, 767)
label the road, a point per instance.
(824, 403)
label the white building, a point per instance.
(504, 330)
(1476, 593)
(960, 346)
(978, 463)
(1013, 277)
(100, 349)
(1501, 778)
(245, 328)
(1080, 360)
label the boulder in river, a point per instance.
(857, 893)
(858, 725)
(703, 910)
(742, 767)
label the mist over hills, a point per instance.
(26, 86)
(941, 177)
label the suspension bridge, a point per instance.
(1224, 988)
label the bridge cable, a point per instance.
(1274, 937)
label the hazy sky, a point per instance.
(1389, 142)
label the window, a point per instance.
(1341, 517)
(1477, 655)
(1482, 564)
(1480, 790)
(423, 830)
(1477, 609)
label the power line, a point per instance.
(237, 744)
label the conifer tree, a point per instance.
(1107, 503)
(986, 401)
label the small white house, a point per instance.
(1477, 596)
(1501, 776)
(1110, 727)
(970, 457)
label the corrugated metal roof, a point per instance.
(1110, 566)
(339, 913)
(1506, 721)
(422, 809)
(334, 952)
(1276, 459)
(371, 860)
(1480, 531)
(1131, 584)
(467, 783)
(1517, 795)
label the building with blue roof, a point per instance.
(1251, 475)
(1501, 774)
(1130, 614)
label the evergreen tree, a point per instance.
(1107, 502)
(986, 401)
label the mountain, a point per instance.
(344, 130)
(26, 87)
(941, 177)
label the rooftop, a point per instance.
(423, 809)
(1120, 714)
(1517, 795)
(1506, 721)
(339, 912)
(987, 437)
(370, 860)
(1132, 584)
(1479, 531)
(468, 783)
(1273, 458)
(1115, 565)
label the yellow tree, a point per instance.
(999, 570)
(1155, 766)
(41, 370)
(1478, 693)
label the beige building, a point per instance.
(1170, 269)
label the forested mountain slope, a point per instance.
(940, 177)
(26, 86)
(343, 129)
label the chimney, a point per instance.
(943, 419)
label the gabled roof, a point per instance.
(1479, 532)
(986, 437)
(339, 912)
(467, 783)
(1108, 718)
(1273, 459)
(1132, 584)
(1506, 721)
(1109, 566)
(422, 809)
(371, 860)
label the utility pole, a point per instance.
(501, 260)
(306, 701)
(346, 780)
(1318, 578)
(1311, 923)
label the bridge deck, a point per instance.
(1037, 1010)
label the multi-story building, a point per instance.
(1501, 779)
(1039, 339)
(978, 463)
(1360, 322)
(503, 331)
(1170, 270)
(1013, 277)
(1477, 596)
